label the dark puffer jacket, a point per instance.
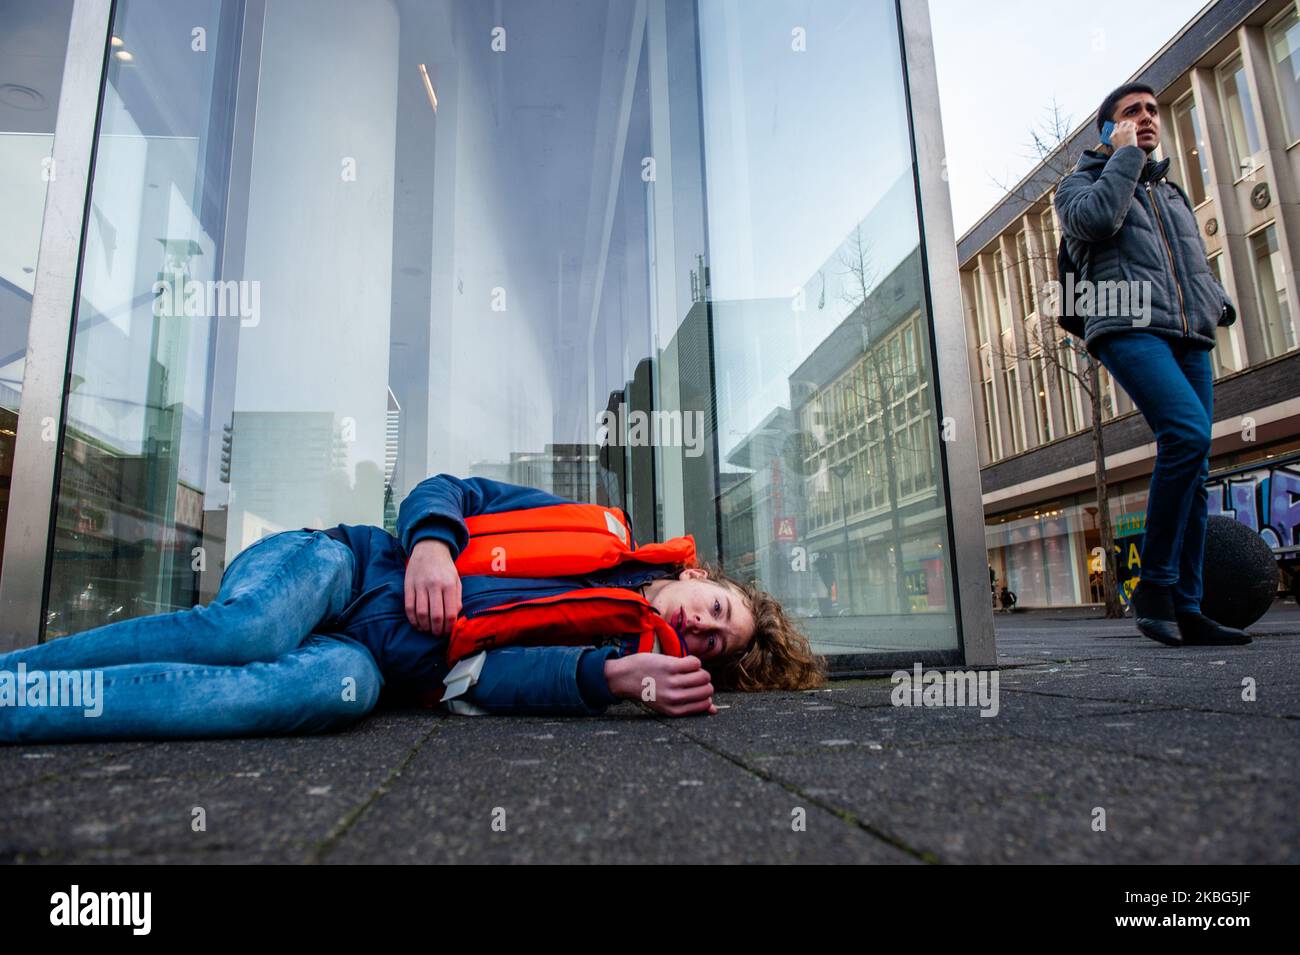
(1123, 221)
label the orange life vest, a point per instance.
(561, 540)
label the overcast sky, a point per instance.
(1000, 62)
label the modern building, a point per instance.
(269, 264)
(1228, 87)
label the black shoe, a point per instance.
(1153, 609)
(1199, 630)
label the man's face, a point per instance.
(1143, 110)
(714, 619)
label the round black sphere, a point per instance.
(1241, 573)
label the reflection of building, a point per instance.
(266, 447)
(471, 282)
(566, 470)
(764, 512)
(1229, 96)
(392, 441)
(116, 542)
(871, 469)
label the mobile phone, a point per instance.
(1107, 128)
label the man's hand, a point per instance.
(432, 588)
(1125, 133)
(673, 686)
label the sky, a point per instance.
(1000, 63)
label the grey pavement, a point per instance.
(1092, 719)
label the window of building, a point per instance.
(1107, 395)
(986, 388)
(1225, 355)
(1191, 150)
(1015, 417)
(977, 301)
(1071, 407)
(1042, 413)
(1239, 114)
(1025, 273)
(1284, 43)
(1270, 285)
(1047, 228)
(1003, 301)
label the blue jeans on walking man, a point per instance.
(1172, 384)
(257, 660)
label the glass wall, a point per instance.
(33, 46)
(661, 255)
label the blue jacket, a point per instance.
(541, 680)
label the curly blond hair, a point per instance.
(779, 657)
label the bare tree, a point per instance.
(1048, 351)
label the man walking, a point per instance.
(1125, 223)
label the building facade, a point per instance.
(268, 264)
(1228, 87)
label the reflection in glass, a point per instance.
(33, 46)
(680, 275)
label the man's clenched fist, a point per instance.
(432, 588)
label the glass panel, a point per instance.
(1270, 282)
(33, 46)
(1284, 39)
(1196, 170)
(1243, 137)
(299, 282)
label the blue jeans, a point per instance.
(1172, 384)
(254, 662)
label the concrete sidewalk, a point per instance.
(1090, 717)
